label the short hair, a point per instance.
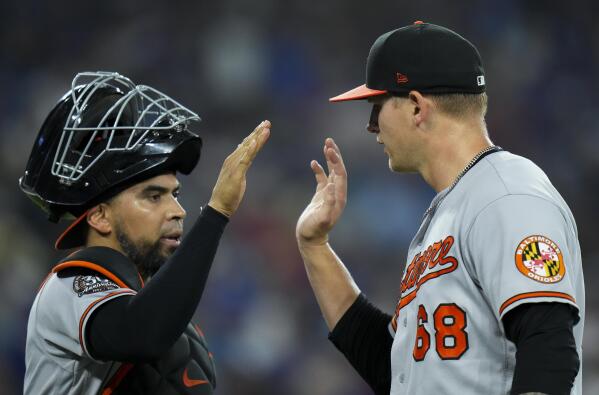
(460, 105)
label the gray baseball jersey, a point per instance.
(56, 356)
(502, 237)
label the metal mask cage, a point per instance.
(153, 111)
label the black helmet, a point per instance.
(104, 135)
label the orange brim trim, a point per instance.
(57, 245)
(361, 92)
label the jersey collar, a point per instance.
(107, 261)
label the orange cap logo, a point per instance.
(401, 78)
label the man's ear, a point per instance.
(98, 218)
(421, 107)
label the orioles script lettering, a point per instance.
(430, 263)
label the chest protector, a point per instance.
(186, 368)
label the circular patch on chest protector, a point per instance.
(540, 259)
(83, 285)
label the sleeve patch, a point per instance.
(540, 259)
(84, 285)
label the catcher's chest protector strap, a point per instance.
(186, 368)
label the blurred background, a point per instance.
(239, 62)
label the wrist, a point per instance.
(209, 211)
(312, 243)
(217, 207)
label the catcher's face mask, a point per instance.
(103, 134)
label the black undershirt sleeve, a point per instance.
(546, 356)
(362, 335)
(144, 326)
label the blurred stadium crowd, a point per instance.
(238, 62)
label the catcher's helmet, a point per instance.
(104, 135)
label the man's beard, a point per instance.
(145, 255)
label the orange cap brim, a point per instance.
(361, 92)
(73, 236)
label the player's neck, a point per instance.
(96, 240)
(452, 150)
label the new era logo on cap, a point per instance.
(401, 78)
(480, 80)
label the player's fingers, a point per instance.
(334, 145)
(338, 159)
(262, 137)
(328, 158)
(241, 152)
(257, 143)
(251, 148)
(340, 183)
(340, 190)
(330, 142)
(248, 154)
(334, 162)
(332, 156)
(335, 165)
(319, 174)
(262, 125)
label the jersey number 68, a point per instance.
(451, 339)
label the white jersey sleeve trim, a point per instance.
(91, 308)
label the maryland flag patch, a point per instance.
(540, 259)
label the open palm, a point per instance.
(328, 202)
(231, 183)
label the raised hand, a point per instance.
(328, 202)
(230, 186)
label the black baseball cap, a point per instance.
(423, 57)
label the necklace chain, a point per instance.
(470, 164)
(461, 174)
